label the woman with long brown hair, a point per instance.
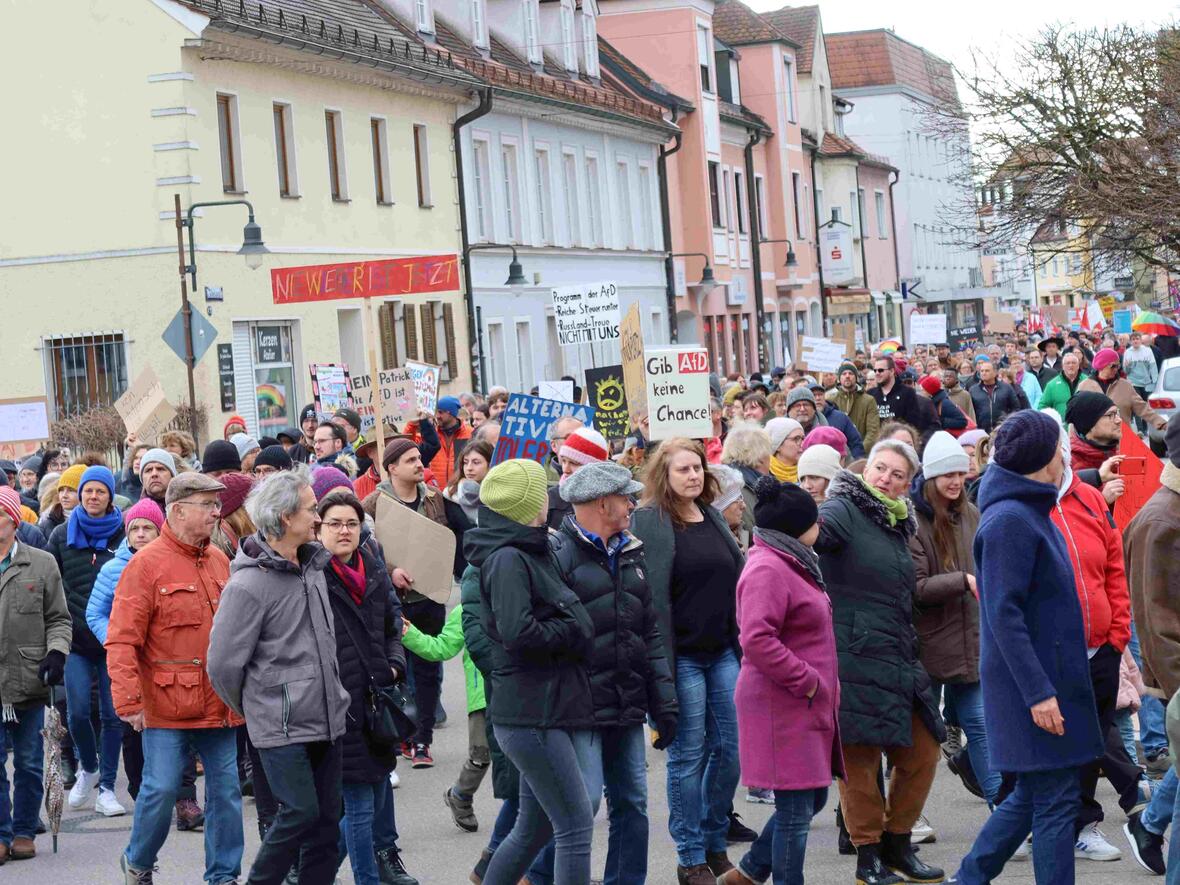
(946, 602)
(693, 565)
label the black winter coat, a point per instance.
(629, 673)
(870, 578)
(79, 568)
(540, 631)
(992, 407)
(903, 404)
(377, 622)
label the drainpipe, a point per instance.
(896, 259)
(819, 264)
(864, 264)
(474, 333)
(666, 224)
(756, 250)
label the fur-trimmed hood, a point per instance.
(849, 486)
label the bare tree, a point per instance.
(1075, 146)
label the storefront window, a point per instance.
(274, 377)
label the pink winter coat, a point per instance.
(786, 741)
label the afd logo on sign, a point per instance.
(692, 362)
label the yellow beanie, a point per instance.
(515, 489)
(71, 476)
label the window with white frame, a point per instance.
(739, 201)
(626, 216)
(735, 89)
(285, 150)
(532, 30)
(589, 43)
(760, 197)
(593, 202)
(481, 181)
(714, 194)
(380, 162)
(497, 359)
(479, 23)
(86, 371)
(337, 172)
(879, 205)
(524, 354)
(544, 195)
(424, 16)
(569, 41)
(807, 206)
(726, 200)
(511, 184)
(569, 189)
(796, 197)
(860, 211)
(646, 230)
(789, 88)
(705, 57)
(819, 206)
(231, 144)
(422, 165)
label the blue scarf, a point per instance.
(86, 532)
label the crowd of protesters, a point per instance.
(857, 577)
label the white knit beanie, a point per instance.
(730, 482)
(779, 429)
(819, 460)
(943, 455)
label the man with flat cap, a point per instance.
(630, 678)
(157, 643)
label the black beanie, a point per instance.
(784, 507)
(306, 412)
(1026, 442)
(273, 456)
(1172, 439)
(1086, 409)
(220, 454)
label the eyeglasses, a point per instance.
(1112, 413)
(338, 525)
(209, 506)
(880, 371)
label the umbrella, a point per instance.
(1155, 324)
(53, 732)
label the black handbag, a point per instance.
(387, 720)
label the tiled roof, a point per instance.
(801, 24)
(736, 24)
(630, 73)
(835, 145)
(881, 58)
(743, 115)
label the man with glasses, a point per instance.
(558, 434)
(157, 644)
(897, 402)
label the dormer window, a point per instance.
(589, 40)
(569, 42)
(424, 15)
(532, 31)
(479, 23)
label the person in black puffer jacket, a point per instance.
(629, 673)
(82, 545)
(365, 610)
(540, 699)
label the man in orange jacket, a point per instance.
(452, 437)
(156, 647)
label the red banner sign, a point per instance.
(365, 279)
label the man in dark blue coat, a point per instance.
(1037, 696)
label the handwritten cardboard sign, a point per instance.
(526, 424)
(821, 354)
(559, 390)
(329, 388)
(419, 545)
(608, 396)
(586, 314)
(634, 378)
(425, 378)
(928, 328)
(678, 392)
(144, 409)
(24, 420)
(398, 398)
(364, 279)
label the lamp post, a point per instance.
(763, 323)
(252, 249)
(475, 329)
(707, 278)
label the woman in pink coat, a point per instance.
(788, 690)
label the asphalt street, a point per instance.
(438, 853)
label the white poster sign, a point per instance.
(821, 354)
(561, 390)
(835, 249)
(25, 419)
(678, 392)
(425, 378)
(586, 314)
(928, 328)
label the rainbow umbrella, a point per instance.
(889, 345)
(1155, 324)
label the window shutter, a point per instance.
(429, 348)
(411, 322)
(245, 392)
(387, 326)
(452, 366)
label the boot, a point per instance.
(870, 870)
(189, 815)
(844, 840)
(718, 862)
(481, 867)
(461, 812)
(899, 855)
(698, 874)
(735, 877)
(960, 764)
(391, 870)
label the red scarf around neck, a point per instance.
(352, 578)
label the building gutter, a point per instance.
(819, 264)
(864, 263)
(756, 250)
(896, 258)
(666, 225)
(474, 333)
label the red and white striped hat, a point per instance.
(585, 446)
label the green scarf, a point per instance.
(895, 508)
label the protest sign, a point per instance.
(586, 314)
(1106, 305)
(144, 408)
(631, 347)
(24, 420)
(1138, 488)
(1000, 322)
(821, 354)
(418, 545)
(425, 377)
(605, 390)
(561, 390)
(1122, 321)
(329, 388)
(397, 397)
(365, 279)
(962, 337)
(678, 392)
(525, 425)
(928, 328)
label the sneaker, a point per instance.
(738, 831)
(422, 757)
(461, 811)
(87, 781)
(107, 805)
(1143, 796)
(760, 797)
(394, 780)
(189, 815)
(923, 833)
(481, 868)
(1092, 845)
(133, 876)
(699, 874)
(407, 750)
(1159, 762)
(1024, 852)
(953, 743)
(1146, 846)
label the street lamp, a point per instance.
(708, 281)
(792, 261)
(252, 250)
(515, 271)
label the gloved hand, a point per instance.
(665, 732)
(52, 669)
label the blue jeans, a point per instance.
(1151, 713)
(780, 848)
(165, 754)
(356, 831)
(1159, 812)
(1043, 802)
(553, 803)
(18, 814)
(966, 699)
(1122, 719)
(703, 770)
(384, 823)
(81, 671)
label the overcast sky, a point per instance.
(952, 30)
